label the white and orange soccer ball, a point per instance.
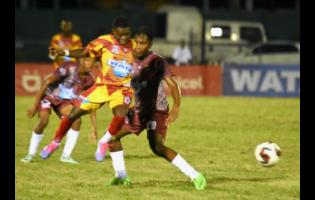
(267, 154)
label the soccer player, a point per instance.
(112, 86)
(65, 40)
(151, 111)
(59, 92)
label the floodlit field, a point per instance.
(217, 135)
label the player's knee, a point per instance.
(76, 124)
(75, 113)
(158, 149)
(121, 110)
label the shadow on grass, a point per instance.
(228, 179)
(147, 156)
(211, 182)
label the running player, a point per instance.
(151, 111)
(112, 86)
(58, 92)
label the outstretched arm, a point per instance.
(176, 96)
(76, 53)
(40, 93)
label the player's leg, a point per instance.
(71, 138)
(66, 123)
(37, 135)
(156, 132)
(117, 156)
(156, 143)
(119, 103)
(83, 106)
(157, 146)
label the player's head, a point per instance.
(66, 26)
(143, 39)
(86, 64)
(121, 30)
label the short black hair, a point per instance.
(121, 22)
(144, 30)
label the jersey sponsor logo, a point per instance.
(66, 93)
(151, 125)
(120, 68)
(127, 100)
(115, 49)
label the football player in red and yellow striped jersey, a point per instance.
(112, 86)
(66, 40)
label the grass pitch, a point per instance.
(217, 135)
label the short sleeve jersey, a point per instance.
(116, 60)
(62, 42)
(70, 83)
(150, 72)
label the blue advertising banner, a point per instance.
(261, 80)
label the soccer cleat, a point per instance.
(68, 159)
(49, 149)
(101, 151)
(200, 182)
(27, 158)
(121, 181)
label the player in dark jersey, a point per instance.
(59, 92)
(151, 111)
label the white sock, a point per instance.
(184, 167)
(35, 140)
(119, 163)
(72, 137)
(106, 137)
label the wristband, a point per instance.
(67, 53)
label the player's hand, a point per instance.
(173, 115)
(31, 111)
(55, 52)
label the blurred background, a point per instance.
(233, 47)
(36, 21)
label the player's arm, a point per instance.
(94, 127)
(176, 96)
(76, 53)
(40, 93)
(53, 45)
(93, 49)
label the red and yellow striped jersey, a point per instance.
(60, 41)
(116, 60)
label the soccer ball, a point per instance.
(267, 154)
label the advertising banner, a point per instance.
(192, 79)
(261, 80)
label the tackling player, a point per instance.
(151, 111)
(59, 92)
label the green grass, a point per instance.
(217, 135)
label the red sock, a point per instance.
(63, 129)
(116, 124)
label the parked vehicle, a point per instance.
(223, 38)
(271, 52)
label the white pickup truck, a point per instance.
(223, 38)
